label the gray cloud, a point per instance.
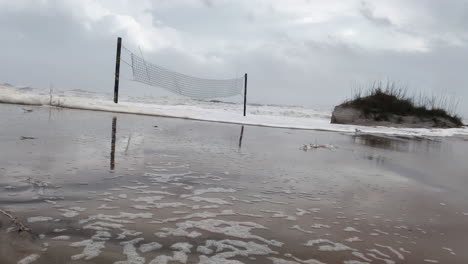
(306, 52)
(368, 12)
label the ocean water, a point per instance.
(216, 111)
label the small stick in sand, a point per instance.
(21, 227)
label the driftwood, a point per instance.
(20, 226)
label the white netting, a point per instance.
(154, 75)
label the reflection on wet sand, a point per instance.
(241, 136)
(185, 195)
(397, 143)
(112, 153)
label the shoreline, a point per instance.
(323, 126)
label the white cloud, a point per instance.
(294, 43)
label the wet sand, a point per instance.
(161, 190)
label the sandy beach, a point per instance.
(97, 187)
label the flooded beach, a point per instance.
(97, 187)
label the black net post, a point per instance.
(245, 94)
(117, 70)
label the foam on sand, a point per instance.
(130, 251)
(35, 219)
(226, 249)
(91, 249)
(150, 247)
(270, 116)
(328, 245)
(228, 228)
(29, 259)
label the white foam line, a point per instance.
(329, 245)
(387, 261)
(354, 262)
(209, 200)
(130, 251)
(196, 215)
(379, 252)
(144, 248)
(91, 249)
(229, 228)
(351, 229)
(361, 256)
(353, 239)
(449, 250)
(61, 238)
(405, 251)
(398, 254)
(29, 259)
(213, 190)
(297, 227)
(195, 112)
(35, 219)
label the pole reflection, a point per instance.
(240, 137)
(112, 154)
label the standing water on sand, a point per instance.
(117, 189)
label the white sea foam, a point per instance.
(273, 116)
(180, 255)
(150, 247)
(35, 219)
(280, 214)
(378, 252)
(449, 250)
(351, 229)
(318, 226)
(361, 256)
(387, 261)
(226, 249)
(69, 213)
(130, 251)
(91, 249)
(328, 245)
(405, 251)
(297, 227)
(353, 239)
(209, 200)
(213, 190)
(106, 207)
(148, 199)
(354, 262)
(228, 228)
(394, 251)
(117, 218)
(301, 212)
(196, 215)
(282, 261)
(182, 246)
(61, 238)
(29, 259)
(295, 261)
(158, 205)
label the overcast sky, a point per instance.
(305, 52)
